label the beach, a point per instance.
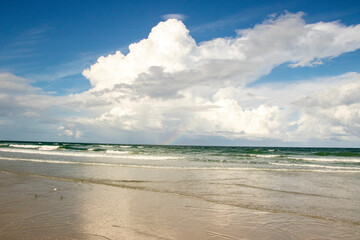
(180, 120)
(71, 194)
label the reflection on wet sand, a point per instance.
(92, 210)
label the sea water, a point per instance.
(319, 183)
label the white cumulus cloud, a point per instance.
(69, 131)
(169, 83)
(172, 55)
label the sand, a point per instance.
(34, 207)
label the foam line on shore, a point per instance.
(177, 168)
(111, 154)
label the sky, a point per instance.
(239, 73)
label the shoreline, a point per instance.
(93, 211)
(124, 184)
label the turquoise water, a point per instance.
(189, 157)
(321, 183)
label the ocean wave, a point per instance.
(323, 159)
(314, 166)
(97, 149)
(125, 146)
(75, 148)
(117, 152)
(57, 161)
(91, 154)
(48, 148)
(48, 152)
(24, 146)
(178, 167)
(338, 154)
(266, 156)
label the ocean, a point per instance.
(317, 185)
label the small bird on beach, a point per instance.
(61, 197)
(35, 196)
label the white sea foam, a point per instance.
(46, 152)
(91, 154)
(309, 158)
(178, 168)
(327, 159)
(48, 148)
(57, 161)
(265, 156)
(117, 152)
(125, 146)
(314, 166)
(24, 146)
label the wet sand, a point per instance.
(33, 207)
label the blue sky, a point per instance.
(45, 46)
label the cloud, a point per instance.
(69, 131)
(167, 81)
(254, 53)
(333, 112)
(168, 84)
(19, 98)
(168, 45)
(28, 113)
(177, 16)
